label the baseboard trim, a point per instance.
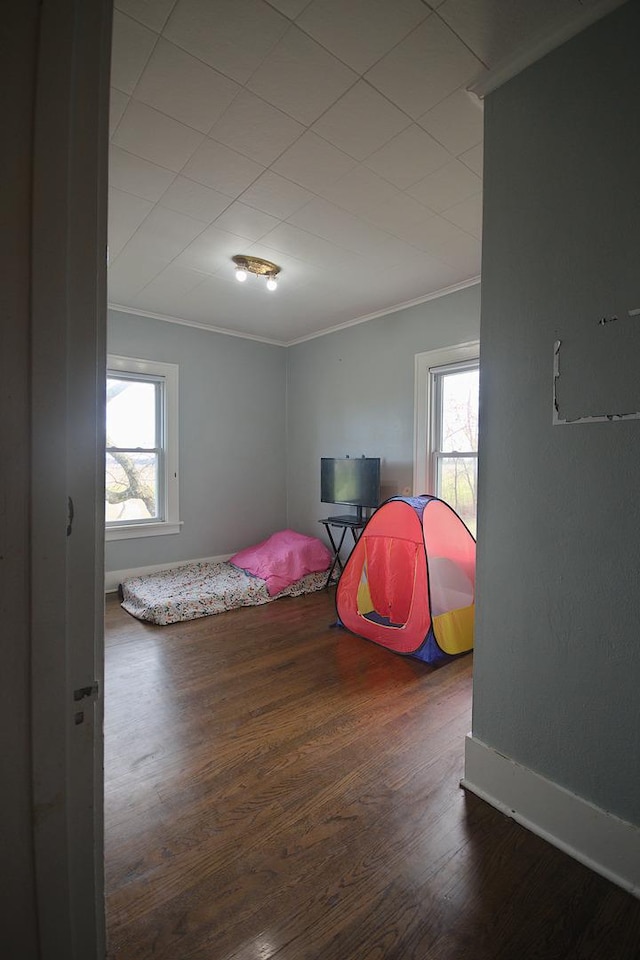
(113, 578)
(599, 840)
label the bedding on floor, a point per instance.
(200, 589)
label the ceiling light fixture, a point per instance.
(257, 266)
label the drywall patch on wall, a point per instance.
(597, 380)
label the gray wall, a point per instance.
(232, 439)
(557, 665)
(352, 392)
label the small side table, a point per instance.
(344, 524)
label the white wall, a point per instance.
(232, 439)
(352, 392)
(557, 663)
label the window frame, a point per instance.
(154, 371)
(425, 459)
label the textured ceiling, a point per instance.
(334, 137)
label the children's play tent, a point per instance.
(409, 583)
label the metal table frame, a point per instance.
(345, 525)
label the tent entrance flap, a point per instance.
(409, 583)
(387, 580)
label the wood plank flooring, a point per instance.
(277, 788)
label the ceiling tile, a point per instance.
(407, 130)
(361, 189)
(467, 215)
(221, 168)
(153, 13)
(131, 48)
(155, 137)
(164, 233)
(165, 293)
(474, 159)
(135, 175)
(222, 303)
(361, 121)
(300, 77)
(425, 68)
(290, 8)
(184, 88)
(399, 216)
(448, 185)
(195, 200)
(244, 221)
(305, 246)
(129, 274)
(255, 128)
(209, 252)
(463, 253)
(397, 253)
(276, 195)
(434, 236)
(493, 29)
(456, 122)
(359, 32)
(126, 213)
(406, 281)
(234, 36)
(313, 163)
(408, 157)
(336, 225)
(117, 105)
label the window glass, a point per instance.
(131, 413)
(134, 447)
(141, 482)
(458, 486)
(456, 439)
(132, 486)
(459, 426)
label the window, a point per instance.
(446, 441)
(141, 488)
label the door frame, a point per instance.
(68, 347)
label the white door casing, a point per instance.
(68, 322)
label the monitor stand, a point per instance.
(350, 521)
(350, 518)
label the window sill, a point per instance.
(134, 531)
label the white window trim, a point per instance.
(424, 467)
(172, 523)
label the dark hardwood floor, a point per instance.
(276, 788)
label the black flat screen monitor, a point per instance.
(351, 481)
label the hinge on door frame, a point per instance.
(81, 693)
(90, 691)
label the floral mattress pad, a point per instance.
(200, 589)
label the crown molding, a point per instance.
(435, 295)
(540, 45)
(134, 311)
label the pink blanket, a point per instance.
(283, 558)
